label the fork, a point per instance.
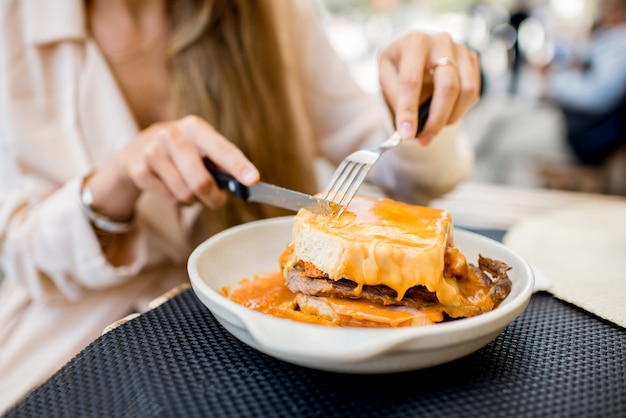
(350, 174)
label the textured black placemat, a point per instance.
(176, 360)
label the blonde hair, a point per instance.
(229, 66)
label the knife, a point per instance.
(273, 195)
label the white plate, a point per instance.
(249, 249)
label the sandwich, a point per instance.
(385, 263)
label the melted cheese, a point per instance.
(358, 312)
(379, 242)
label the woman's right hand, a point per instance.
(166, 159)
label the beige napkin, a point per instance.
(582, 251)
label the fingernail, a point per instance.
(249, 175)
(426, 139)
(406, 130)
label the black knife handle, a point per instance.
(422, 115)
(226, 181)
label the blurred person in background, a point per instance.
(107, 109)
(592, 93)
(518, 16)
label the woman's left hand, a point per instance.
(417, 66)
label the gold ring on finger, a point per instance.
(441, 62)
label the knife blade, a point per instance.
(273, 195)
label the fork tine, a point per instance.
(333, 181)
(338, 181)
(344, 187)
(349, 184)
(346, 181)
(354, 185)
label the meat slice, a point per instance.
(416, 297)
(501, 283)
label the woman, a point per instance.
(109, 106)
(591, 95)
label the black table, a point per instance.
(177, 360)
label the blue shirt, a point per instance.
(602, 86)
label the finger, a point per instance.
(219, 150)
(446, 87)
(158, 160)
(146, 180)
(186, 173)
(409, 84)
(388, 76)
(469, 73)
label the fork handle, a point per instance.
(226, 181)
(422, 115)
